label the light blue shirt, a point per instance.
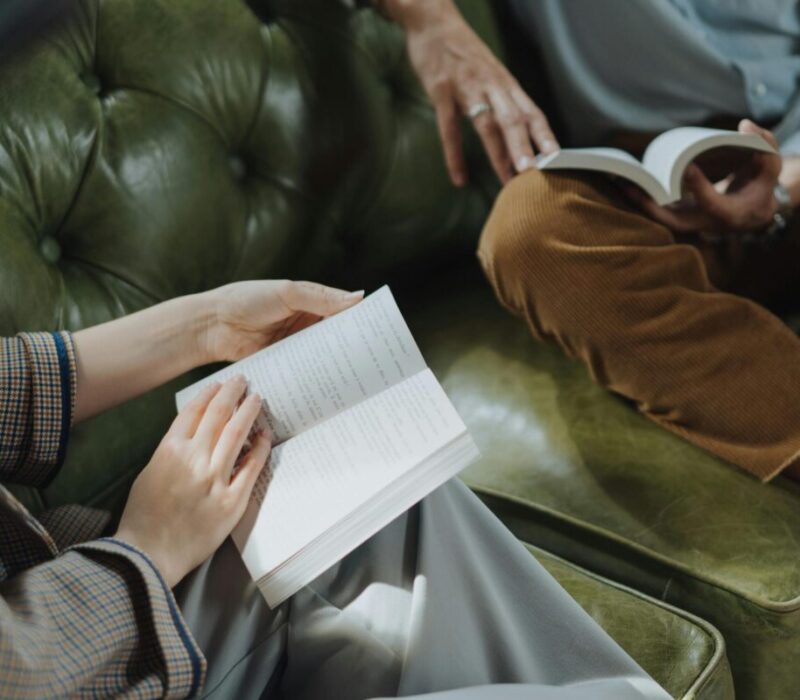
(651, 65)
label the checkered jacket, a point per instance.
(80, 615)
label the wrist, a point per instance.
(161, 562)
(197, 314)
(416, 14)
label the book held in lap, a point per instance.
(665, 160)
(362, 431)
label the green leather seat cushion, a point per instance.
(577, 470)
(685, 654)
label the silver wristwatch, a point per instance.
(781, 218)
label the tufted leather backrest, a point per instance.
(152, 148)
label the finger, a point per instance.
(448, 120)
(747, 126)
(494, 145)
(218, 413)
(186, 422)
(514, 128)
(727, 210)
(234, 435)
(242, 483)
(662, 215)
(538, 125)
(317, 299)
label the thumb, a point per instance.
(746, 126)
(318, 299)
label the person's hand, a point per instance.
(244, 317)
(743, 202)
(187, 500)
(459, 73)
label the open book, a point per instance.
(361, 432)
(661, 171)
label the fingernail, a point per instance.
(238, 379)
(526, 163)
(355, 295)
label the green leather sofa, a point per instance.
(151, 148)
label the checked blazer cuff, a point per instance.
(37, 395)
(166, 634)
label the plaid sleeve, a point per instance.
(37, 395)
(96, 621)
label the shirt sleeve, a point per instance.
(37, 397)
(98, 621)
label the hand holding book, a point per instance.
(669, 186)
(741, 202)
(361, 432)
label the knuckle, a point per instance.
(170, 447)
(511, 119)
(220, 411)
(205, 480)
(238, 431)
(440, 86)
(484, 125)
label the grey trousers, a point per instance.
(443, 603)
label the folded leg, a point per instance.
(616, 290)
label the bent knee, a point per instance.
(520, 242)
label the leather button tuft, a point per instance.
(92, 83)
(237, 166)
(50, 249)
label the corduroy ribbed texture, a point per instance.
(616, 290)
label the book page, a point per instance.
(322, 370)
(669, 154)
(318, 478)
(611, 161)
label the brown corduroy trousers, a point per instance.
(670, 324)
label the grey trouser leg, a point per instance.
(444, 598)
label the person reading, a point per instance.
(442, 601)
(668, 306)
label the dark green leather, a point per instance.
(685, 654)
(152, 148)
(572, 468)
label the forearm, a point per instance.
(413, 14)
(121, 359)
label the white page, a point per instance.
(318, 478)
(669, 154)
(611, 161)
(328, 367)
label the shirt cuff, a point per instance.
(40, 400)
(184, 662)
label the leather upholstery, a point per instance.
(152, 148)
(685, 653)
(576, 470)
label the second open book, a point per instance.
(664, 162)
(361, 432)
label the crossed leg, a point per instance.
(616, 290)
